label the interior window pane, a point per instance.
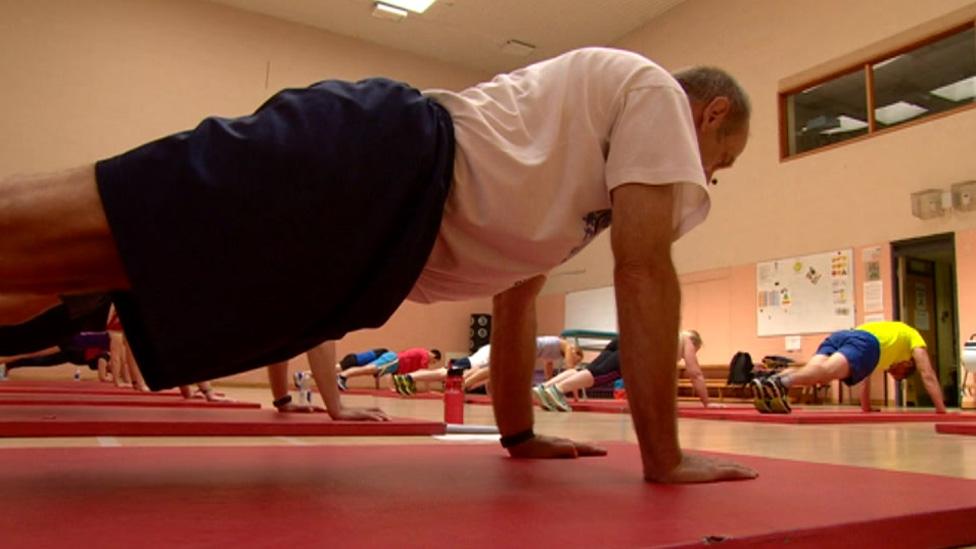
(934, 78)
(827, 113)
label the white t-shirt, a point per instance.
(547, 348)
(538, 152)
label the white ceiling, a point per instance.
(470, 33)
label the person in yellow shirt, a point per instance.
(851, 356)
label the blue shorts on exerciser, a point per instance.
(243, 238)
(860, 348)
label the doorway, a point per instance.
(925, 298)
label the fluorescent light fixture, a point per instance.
(416, 6)
(897, 112)
(392, 13)
(957, 91)
(847, 124)
(517, 47)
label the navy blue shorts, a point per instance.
(860, 348)
(243, 239)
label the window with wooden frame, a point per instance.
(924, 80)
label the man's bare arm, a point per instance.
(694, 371)
(929, 379)
(865, 395)
(648, 305)
(512, 364)
(321, 361)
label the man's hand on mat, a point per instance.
(292, 408)
(704, 469)
(714, 406)
(361, 414)
(211, 396)
(546, 447)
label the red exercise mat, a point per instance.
(956, 428)
(75, 387)
(36, 421)
(819, 417)
(456, 496)
(150, 401)
(594, 405)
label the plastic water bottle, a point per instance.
(454, 396)
(304, 393)
(3, 371)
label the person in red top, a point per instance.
(404, 362)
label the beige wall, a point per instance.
(84, 79)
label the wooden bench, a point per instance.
(716, 376)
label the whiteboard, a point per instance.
(591, 310)
(805, 294)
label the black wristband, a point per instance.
(517, 438)
(282, 401)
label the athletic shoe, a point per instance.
(542, 396)
(759, 399)
(399, 384)
(342, 382)
(770, 396)
(410, 385)
(780, 401)
(559, 399)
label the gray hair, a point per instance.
(703, 84)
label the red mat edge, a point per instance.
(956, 428)
(34, 390)
(955, 529)
(135, 403)
(30, 429)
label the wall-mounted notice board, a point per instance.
(805, 294)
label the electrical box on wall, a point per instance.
(927, 204)
(964, 196)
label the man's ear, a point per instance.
(715, 112)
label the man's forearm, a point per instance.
(701, 388)
(321, 361)
(513, 356)
(278, 379)
(929, 379)
(648, 304)
(934, 390)
(865, 394)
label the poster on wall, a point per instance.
(805, 294)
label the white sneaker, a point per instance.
(558, 399)
(542, 396)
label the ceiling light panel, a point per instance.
(392, 13)
(957, 91)
(897, 112)
(416, 6)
